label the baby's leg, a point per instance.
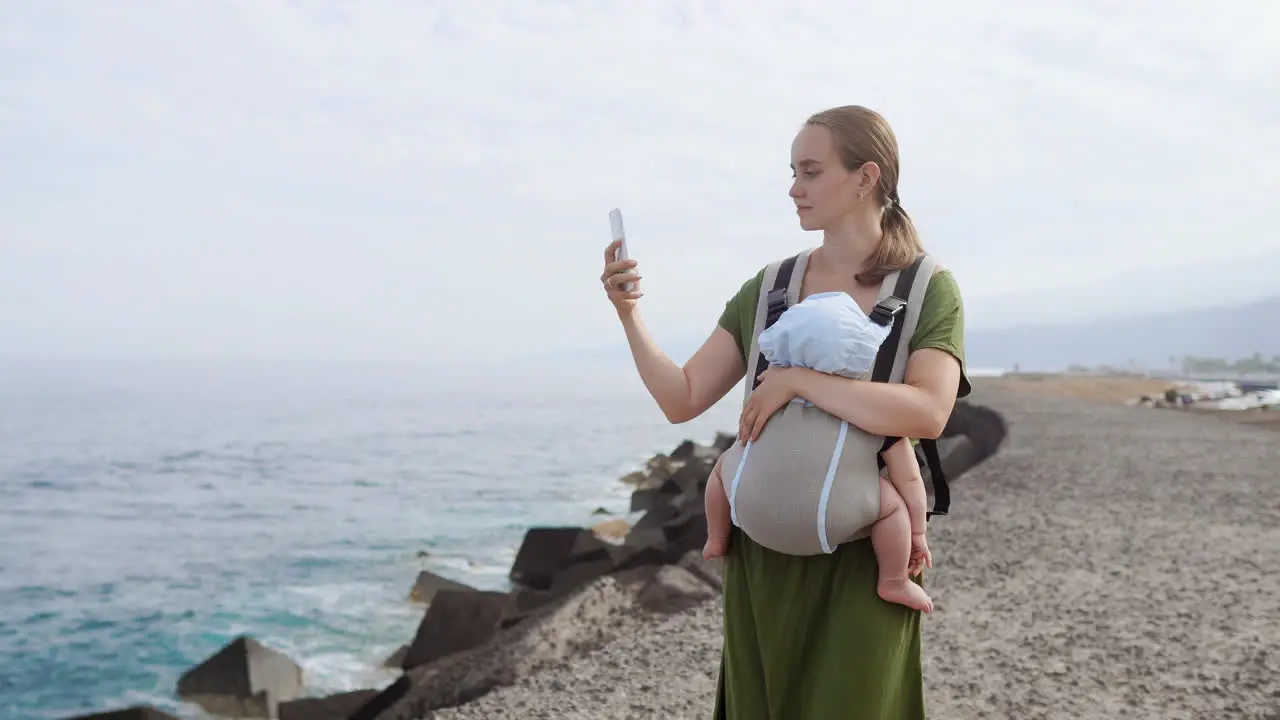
(891, 540)
(716, 502)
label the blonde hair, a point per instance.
(863, 135)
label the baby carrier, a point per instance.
(811, 481)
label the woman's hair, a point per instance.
(862, 135)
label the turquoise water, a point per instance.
(149, 516)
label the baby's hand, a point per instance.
(920, 556)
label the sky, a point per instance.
(430, 182)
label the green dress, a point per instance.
(808, 638)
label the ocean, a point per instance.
(149, 514)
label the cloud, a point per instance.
(424, 180)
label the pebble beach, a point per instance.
(1109, 562)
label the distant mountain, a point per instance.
(1233, 331)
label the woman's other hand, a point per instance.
(774, 392)
(618, 273)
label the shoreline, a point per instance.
(573, 590)
(644, 639)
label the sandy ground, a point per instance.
(1111, 389)
(1110, 562)
(1119, 390)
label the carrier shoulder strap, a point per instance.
(903, 307)
(779, 289)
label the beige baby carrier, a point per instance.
(811, 481)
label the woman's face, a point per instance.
(823, 190)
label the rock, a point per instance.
(657, 517)
(429, 583)
(709, 571)
(383, 701)
(685, 450)
(690, 480)
(396, 659)
(688, 450)
(137, 712)
(644, 547)
(526, 600)
(614, 529)
(647, 499)
(688, 531)
(723, 442)
(244, 679)
(674, 589)
(564, 629)
(984, 427)
(457, 620)
(636, 478)
(580, 573)
(547, 550)
(659, 468)
(634, 579)
(333, 707)
(600, 511)
(958, 455)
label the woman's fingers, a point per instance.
(611, 263)
(621, 266)
(616, 281)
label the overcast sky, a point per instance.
(426, 180)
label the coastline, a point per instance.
(1067, 582)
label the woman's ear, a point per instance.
(868, 177)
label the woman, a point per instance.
(808, 637)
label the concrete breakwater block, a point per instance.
(428, 584)
(338, 706)
(138, 712)
(457, 620)
(245, 679)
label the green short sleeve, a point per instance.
(941, 324)
(739, 315)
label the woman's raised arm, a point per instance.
(683, 393)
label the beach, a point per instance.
(1109, 562)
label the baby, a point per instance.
(828, 332)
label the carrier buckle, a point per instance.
(777, 300)
(887, 309)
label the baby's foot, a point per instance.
(715, 547)
(905, 592)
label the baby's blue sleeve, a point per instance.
(826, 332)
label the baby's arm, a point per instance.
(904, 473)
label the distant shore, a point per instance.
(1119, 389)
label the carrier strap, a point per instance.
(941, 492)
(889, 348)
(883, 368)
(777, 300)
(889, 309)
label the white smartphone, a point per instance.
(615, 225)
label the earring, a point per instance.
(862, 196)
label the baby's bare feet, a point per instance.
(904, 592)
(715, 547)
